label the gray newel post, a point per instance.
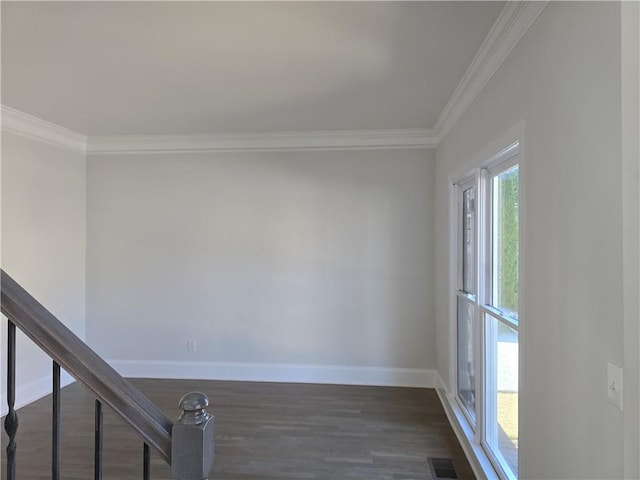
(192, 439)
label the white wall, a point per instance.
(43, 244)
(279, 259)
(563, 79)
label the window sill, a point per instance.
(480, 463)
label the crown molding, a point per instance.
(260, 142)
(20, 123)
(512, 23)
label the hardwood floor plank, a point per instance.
(263, 431)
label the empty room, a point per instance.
(320, 240)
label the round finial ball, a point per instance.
(193, 401)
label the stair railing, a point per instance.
(186, 445)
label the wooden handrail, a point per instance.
(75, 356)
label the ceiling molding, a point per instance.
(278, 141)
(20, 123)
(512, 23)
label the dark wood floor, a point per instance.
(264, 431)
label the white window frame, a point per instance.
(481, 177)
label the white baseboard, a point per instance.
(440, 382)
(264, 372)
(35, 390)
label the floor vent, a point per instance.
(442, 468)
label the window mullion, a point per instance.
(482, 274)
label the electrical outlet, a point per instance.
(191, 345)
(614, 385)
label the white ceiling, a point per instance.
(105, 68)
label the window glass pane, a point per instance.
(502, 392)
(467, 344)
(468, 239)
(505, 242)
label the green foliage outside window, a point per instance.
(508, 246)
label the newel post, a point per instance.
(192, 439)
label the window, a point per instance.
(487, 306)
(467, 323)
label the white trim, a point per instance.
(277, 141)
(278, 372)
(512, 23)
(20, 123)
(35, 390)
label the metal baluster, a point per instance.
(146, 471)
(55, 424)
(97, 453)
(11, 420)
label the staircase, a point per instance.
(187, 444)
